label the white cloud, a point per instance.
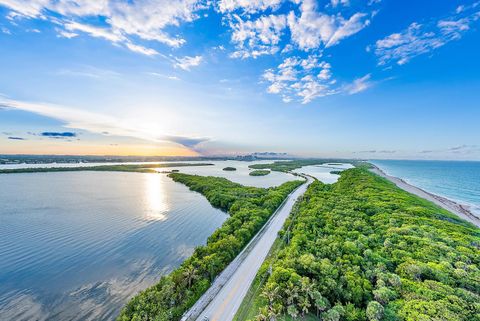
(307, 27)
(348, 27)
(336, 3)
(141, 49)
(30, 9)
(94, 31)
(258, 37)
(146, 20)
(314, 28)
(301, 79)
(249, 6)
(187, 62)
(66, 34)
(420, 39)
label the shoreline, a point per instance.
(458, 209)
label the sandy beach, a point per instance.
(460, 210)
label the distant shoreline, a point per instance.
(460, 210)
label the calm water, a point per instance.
(240, 175)
(77, 245)
(323, 172)
(458, 181)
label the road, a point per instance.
(228, 290)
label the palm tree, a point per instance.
(319, 301)
(190, 275)
(273, 313)
(292, 311)
(304, 304)
(271, 293)
(291, 293)
(263, 315)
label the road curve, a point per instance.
(229, 289)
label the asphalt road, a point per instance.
(227, 301)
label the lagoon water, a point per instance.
(456, 180)
(323, 172)
(240, 175)
(77, 245)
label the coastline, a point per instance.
(460, 210)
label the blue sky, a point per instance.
(339, 78)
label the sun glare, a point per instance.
(156, 198)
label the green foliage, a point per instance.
(288, 166)
(229, 169)
(259, 172)
(249, 209)
(139, 168)
(363, 249)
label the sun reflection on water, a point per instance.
(156, 197)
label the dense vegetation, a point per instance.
(249, 209)
(362, 249)
(259, 172)
(229, 169)
(141, 168)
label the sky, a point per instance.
(317, 78)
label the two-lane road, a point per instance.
(226, 302)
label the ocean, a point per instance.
(458, 181)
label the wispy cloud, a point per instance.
(459, 149)
(89, 72)
(94, 123)
(16, 138)
(359, 85)
(420, 39)
(156, 74)
(187, 62)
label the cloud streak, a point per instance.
(94, 123)
(187, 62)
(58, 134)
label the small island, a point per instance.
(229, 169)
(259, 172)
